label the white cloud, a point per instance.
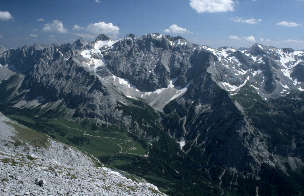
(56, 26)
(288, 24)
(265, 40)
(294, 41)
(97, 1)
(212, 6)
(103, 28)
(175, 29)
(247, 20)
(77, 27)
(241, 41)
(234, 37)
(33, 35)
(40, 20)
(5, 15)
(250, 38)
(94, 29)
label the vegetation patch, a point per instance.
(9, 161)
(84, 134)
(29, 157)
(30, 136)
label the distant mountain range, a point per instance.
(190, 119)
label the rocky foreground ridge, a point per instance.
(33, 164)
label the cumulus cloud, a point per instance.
(288, 24)
(234, 37)
(33, 35)
(294, 41)
(247, 20)
(5, 16)
(40, 20)
(77, 27)
(281, 43)
(103, 28)
(56, 26)
(212, 6)
(265, 40)
(250, 38)
(93, 29)
(175, 29)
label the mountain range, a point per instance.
(189, 118)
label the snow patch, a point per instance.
(284, 85)
(288, 61)
(156, 99)
(91, 62)
(233, 88)
(181, 143)
(179, 93)
(123, 82)
(301, 89)
(104, 44)
(256, 73)
(93, 57)
(157, 36)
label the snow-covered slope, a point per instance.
(33, 164)
(93, 58)
(157, 99)
(268, 70)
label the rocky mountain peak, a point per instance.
(79, 44)
(288, 50)
(131, 35)
(256, 49)
(102, 37)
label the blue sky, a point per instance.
(216, 23)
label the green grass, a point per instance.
(9, 161)
(85, 135)
(30, 136)
(22, 118)
(29, 157)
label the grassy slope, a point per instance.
(30, 136)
